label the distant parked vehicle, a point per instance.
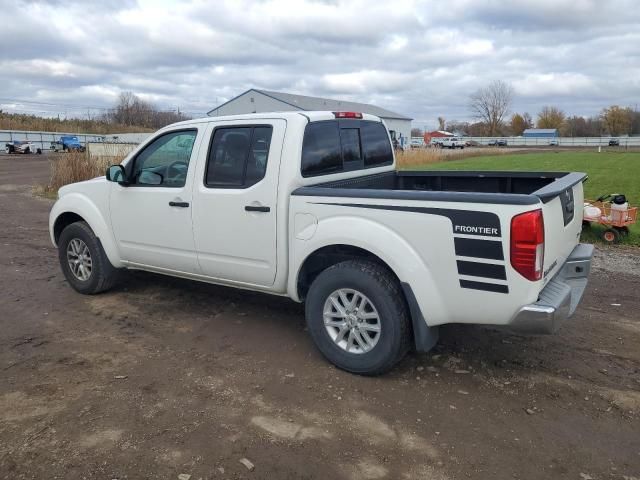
(21, 146)
(498, 143)
(471, 143)
(553, 143)
(417, 142)
(614, 142)
(68, 143)
(448, 142)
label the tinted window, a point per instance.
(238, 156)
(165, 161)
(375, 143)
(321, 152)
(350, 138)
(336, 146)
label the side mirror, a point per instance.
(116, 173)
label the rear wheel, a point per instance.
(83, 260)
(611, 235)
(358, 318)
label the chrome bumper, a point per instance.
(559, 298)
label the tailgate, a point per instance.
(562, 212)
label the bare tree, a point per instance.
(491, 104)
(132, 110)
(441, 123)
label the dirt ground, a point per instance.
(164, 377)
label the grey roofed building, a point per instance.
(256, 101)
(540, 132)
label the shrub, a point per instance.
(74, 167)
(425, 156)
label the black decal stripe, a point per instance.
(487, 287)
(471, 247)
(486, 270)
(488, 221)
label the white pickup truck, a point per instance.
(310, 206)
(448, 142)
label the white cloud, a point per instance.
(418, 57)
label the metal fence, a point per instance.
(43, 139)
(560, 141)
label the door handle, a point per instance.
(257, 208)
(179, 204)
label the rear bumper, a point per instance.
(559, 298)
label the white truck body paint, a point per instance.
(217, 240)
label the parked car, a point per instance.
(553, 143)
(614, 142)
(498, 143)
(380, 257)
(471, 143)
(67, 143)
(448, 142)
(417, 142)
(21, 146)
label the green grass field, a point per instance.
(609, 172)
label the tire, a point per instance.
(611, 236)
(27, 151)
(39, 151)
(386, 300)
(102, 275)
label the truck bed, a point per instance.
(520, 188)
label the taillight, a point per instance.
(527, 244)
(347, 114)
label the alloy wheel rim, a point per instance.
(79, 259)
(352, 321)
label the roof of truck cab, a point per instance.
(311, 116)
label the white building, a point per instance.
(258, 101)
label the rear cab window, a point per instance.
(334, 146)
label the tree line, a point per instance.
(129, 114)
(491, 108)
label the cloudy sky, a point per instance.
(419, 58)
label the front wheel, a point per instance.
(358, 318)
(83, 261)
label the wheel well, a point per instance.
(325, 257)
(64, 221)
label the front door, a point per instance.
(236, 209)
(151, 217)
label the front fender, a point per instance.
(384, 243)
(81, 205)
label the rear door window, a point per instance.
(238, 156)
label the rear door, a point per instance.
(235, 200)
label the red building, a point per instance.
(436, 134)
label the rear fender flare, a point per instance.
(382, 242)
